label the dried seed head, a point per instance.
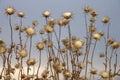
(92, 19)
(17, 65)
(106, 19)
(115, 45)
(50, 44)
(94, 13)
(104, 74)
(49, 29)
(51, 22)
(23, 53)
(78, 44)
(67, 73)
(96, 36)
(35, 23)
(92, 28)
(60, 22)
(67, 15)
(101, 33)
(87, 9)
(81, 65)
(21, 14)
(23, 29)
(45, 73)
(110, 41)
(46, 14)
(102, 55)
(16, 27)
(31, 62)
(10, 11)
(30, 31)
(41, 31)
(2, 49)
(40, 46)
(93, 71)
(2, 42)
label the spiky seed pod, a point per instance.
(110, 41)
(92, 19)
(115, 45)
(40, 46)
(101, 33)
(78, 44)
(50, 44)
(21, 14)
(79, 53)
(48, 29)
(96, 36)
(92, 28)
(104, 74)
(87, 9)
(93, 71)
(94, 13)
(31, 62)
(46, 14)
(51, 22)
(30, 31)
(106, 19)
(35, 23)
(10, 11)
(67, 15)
(23, 53)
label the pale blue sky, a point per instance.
(34, 8)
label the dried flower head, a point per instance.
(92, 19)
(31, 62)
(67, 15)
(35, 23)
(51, 22)
(23, 53)
(41, 31)
(115, 45)
(40, 46)
(30, 31)
(94, 13)
(78, 44)
(105, 19)
(10, 11)
(96, 36)
(21, 14)
(101, 33)
(104, 74)
(16, 27)
(110, 40)
(2, 49)
(87, 9)
(48, 29)
(46, 14)
(92, 28)
(2, 42)
(93, 71)
(66, 73)
(102, 55)
(45, 73)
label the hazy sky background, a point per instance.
(33, 10)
